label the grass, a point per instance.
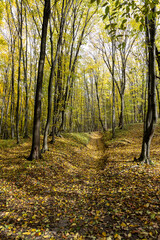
(80, 138)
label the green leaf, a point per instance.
(105, 4)
(117, 3)
(127, 9)
(92, 1)
(107, 26)
(104, 17)
(123, 45)
(107, 10)
(141, 27)
(124, 21)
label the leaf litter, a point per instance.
(80, 192)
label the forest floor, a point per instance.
(81, 190)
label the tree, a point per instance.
(53, 65)
(149, 124)
(19, 12)
(35, 151)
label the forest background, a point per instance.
(67, 69)
(95, 71)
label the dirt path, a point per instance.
(96, 142)
(97, 148)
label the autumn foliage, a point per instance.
(79, 192)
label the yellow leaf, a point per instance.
(26, 233)
(33, 230)
(123, 224)
(104, 234)
(109, 238)
(117, 236)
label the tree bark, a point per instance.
(25, 66)
(121, 117)
(158, 97)
(12, 92)
(99, 110)
(35, 151)
(113, 91)
(151, 116)
(53, 65)
(19, 68)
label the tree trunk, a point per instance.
(35, 151)
(25, 66)
(121, 117)
(4, 99)
(113, 91)
(19, 69)
(99, 110)
(12, 92)
(158, 97)
(149, 126)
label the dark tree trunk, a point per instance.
(113, 90)
(158, 61)
(99, 110)
(53, 65)
(25, 66)
(5, 128)
(88, 105)
(158, 97)
(121, 117)
(4, 100)
(12, 91)
(57, 98)
(150, 121)
(35, 151)
(19, 69)
(71, 115)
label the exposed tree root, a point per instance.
(143, 160)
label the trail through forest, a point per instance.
(81, 189)
(97, 149)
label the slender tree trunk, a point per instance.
(149, 126)
(71, 115)
(19, 70)
(4, 99)
(121, 117)
(57, 98)
(12, 91)
(92, 107)
(5, 130)
(158, 61)
(99, 110)
(87, 104)
(25, 66)
(158, 97)
(50, 86)
(53, 65)
(113, 91)
(35, 151)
